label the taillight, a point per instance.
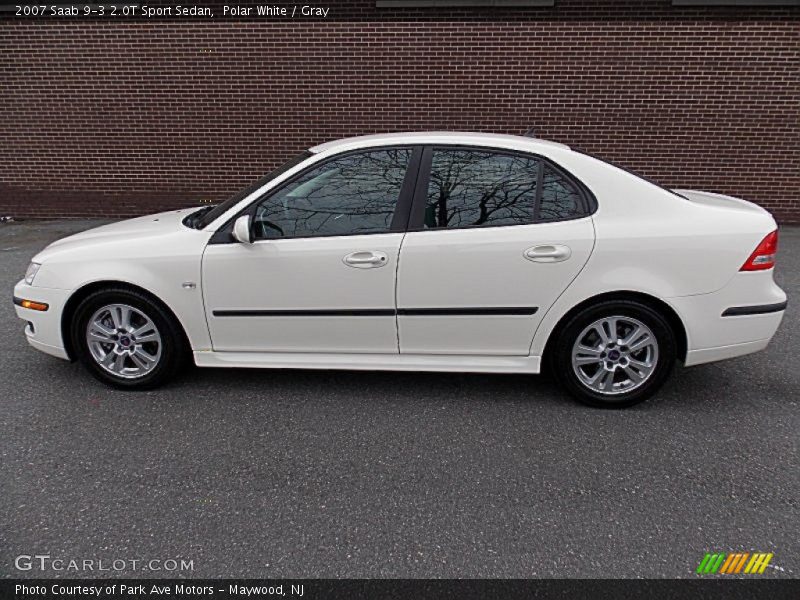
(763, 257)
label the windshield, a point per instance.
(208, 216)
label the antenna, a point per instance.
(529, 133)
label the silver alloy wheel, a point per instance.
(615, 355)
(123, 341)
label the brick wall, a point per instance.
(121, 118)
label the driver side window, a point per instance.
(351, 195)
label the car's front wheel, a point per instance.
(126, 339)
(615, 354)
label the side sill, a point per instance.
(370, 362)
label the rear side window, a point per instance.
(471, 188)
(561, 198)
(486, 188)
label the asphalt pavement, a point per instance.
(352, 474)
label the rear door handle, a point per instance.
(548, 253)
(365, 259)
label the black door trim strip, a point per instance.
(430, 312)
(358, 312)
(381, 312)
(759, 309)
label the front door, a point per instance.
(320, 275)
(495, 238)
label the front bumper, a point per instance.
(42, 328)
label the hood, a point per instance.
(130, 230)
(720, 201)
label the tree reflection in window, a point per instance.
(475, 188)
(354, 194)
(560, 198)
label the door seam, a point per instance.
(396, 285)
(564, 291)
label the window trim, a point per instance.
(399, 224)
(417, 216)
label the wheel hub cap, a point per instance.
(124, 341)
(615, 355)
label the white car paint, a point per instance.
(684, 251)
(156, 253)
(439, 271)
(303, 274)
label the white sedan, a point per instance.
(420, 252)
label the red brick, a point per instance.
(120, 118)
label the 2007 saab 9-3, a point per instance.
(420, 252)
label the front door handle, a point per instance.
(365, 259)
(548, 253)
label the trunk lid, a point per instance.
(721, 201)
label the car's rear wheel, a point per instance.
(126, 339)
(615, 354)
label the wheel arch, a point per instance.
(86, 290)
(664, 309)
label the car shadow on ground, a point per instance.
(686, 388)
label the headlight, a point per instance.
(33, 268)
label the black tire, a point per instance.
(568, 336)
(173, 351)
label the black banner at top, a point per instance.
(387, 10)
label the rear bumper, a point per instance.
(739, 319)
(42, 328)
(707, 355)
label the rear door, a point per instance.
(495, 237)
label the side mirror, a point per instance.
(242, 231)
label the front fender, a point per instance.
(174, 277)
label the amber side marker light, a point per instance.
(41, 306)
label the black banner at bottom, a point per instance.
(377, 589)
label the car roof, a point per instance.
(516, 142)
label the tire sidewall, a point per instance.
(170, 350)
(667, 351)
